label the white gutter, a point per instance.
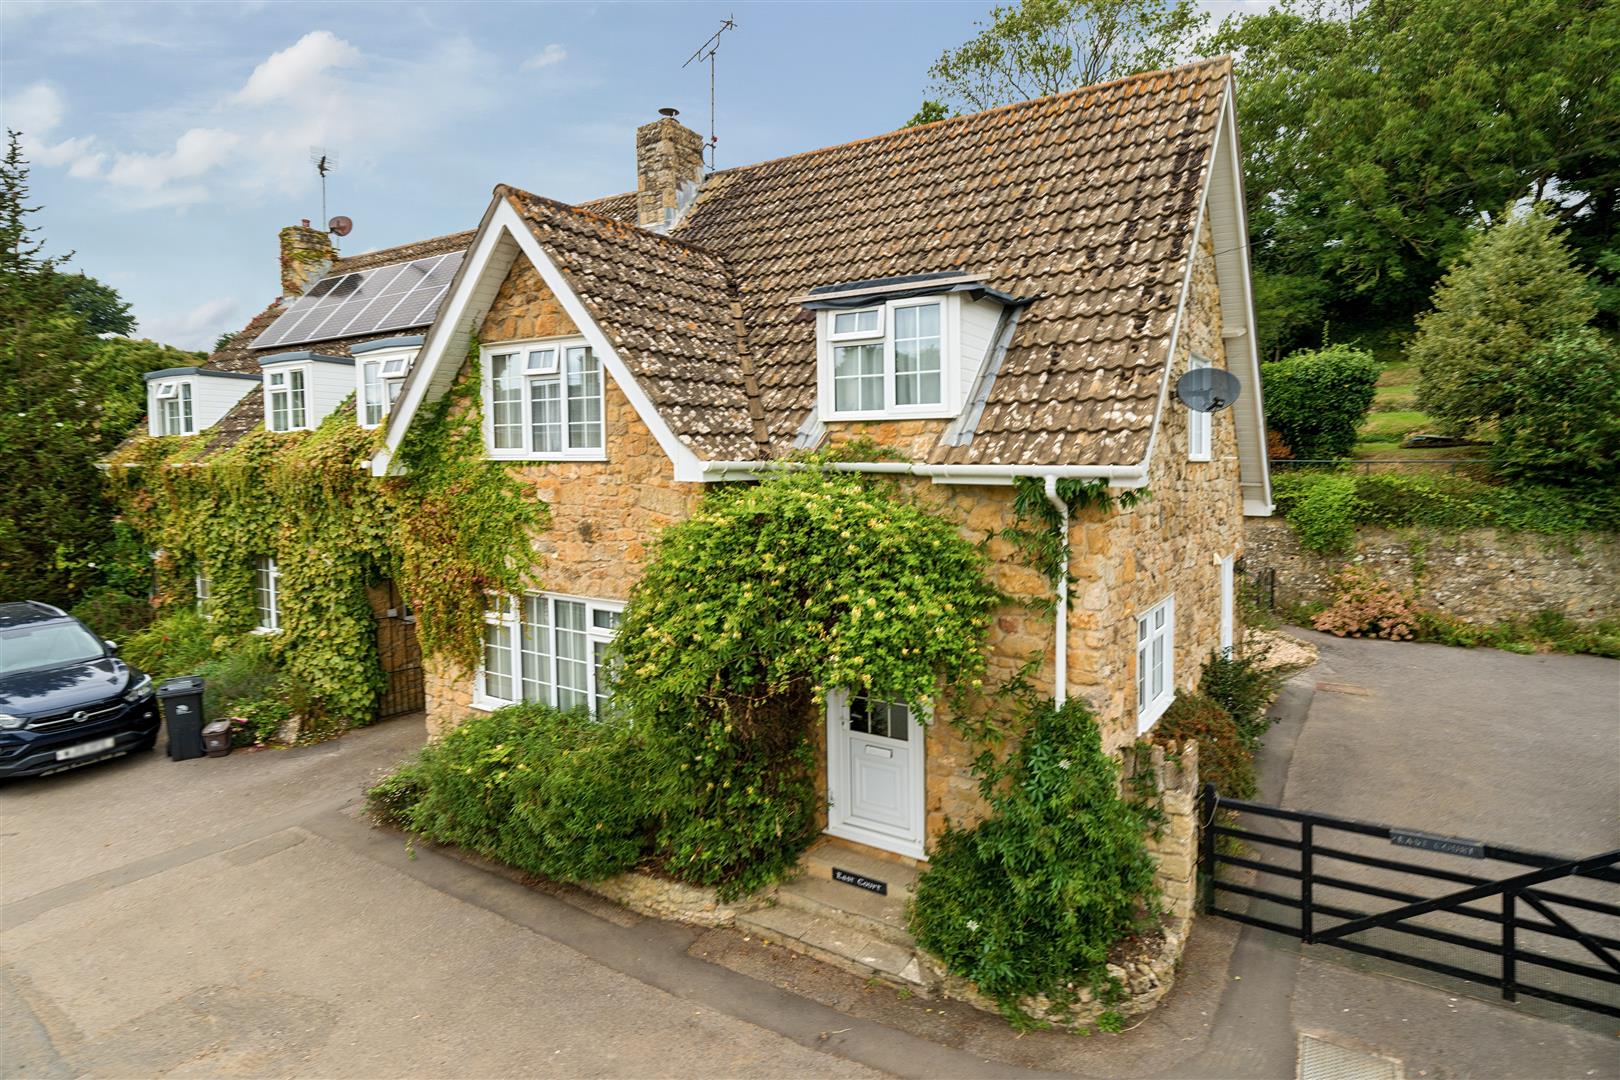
(1060, 678)
(1123, 476)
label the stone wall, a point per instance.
(1479, 575)
(1170, 544)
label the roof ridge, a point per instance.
(508, 190)
(469, 233)
(1225, 59)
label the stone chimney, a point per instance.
(307, 253)
(669, 168)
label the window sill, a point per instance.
(1155, 709)
(264, 630)
(484, 704)
(928, 412)
(593, 455)
(1200, 459)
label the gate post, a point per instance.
(1307, 853)
(1207, 803)
(1510, 945)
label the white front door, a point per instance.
(1228, 584)
(875, 773)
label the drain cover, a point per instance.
(1323, 1060)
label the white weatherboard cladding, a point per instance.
(212, 396)
(327, 385)
(979, 319)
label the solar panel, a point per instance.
(382, 298)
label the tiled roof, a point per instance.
(239, 354)
(666, 305)
(1086, 200)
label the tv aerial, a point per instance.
(324, 163)
(1208, 389)
(707, 51)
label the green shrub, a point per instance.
(1241, 686)
(1030, 900)
(766, 597)
(554, 793)
(179, 643)
(1563, 423)
(255, 723)
(1224, 757)
(113, 613)
(1322, 508)
(1317, 398)
(247, 672)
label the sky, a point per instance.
(171, 141)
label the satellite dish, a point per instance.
(1208, 389)
(340, 225)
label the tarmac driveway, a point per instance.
(1517, 750)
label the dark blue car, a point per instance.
(65, 698)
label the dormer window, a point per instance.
(287, 399)
(174, 413)
(380, 370)
(543, 400)
(890, 356)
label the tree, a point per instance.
(1564, 424)
(103, 310)
(66, 396)
(1040, 47)
(1513, 289)
(1375, 134)
(1316, 399)
(928, 112)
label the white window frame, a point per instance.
(178, 395)
(274, 388)
(505, 625)
(1200, 425)
(205, 594)
(950, 315)
(391, 368)
(534, 371)
(266, 570)
(1155, 662)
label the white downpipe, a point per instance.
(1060, 678)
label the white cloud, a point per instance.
(252, 141)
(197, 328)
(546, 57)
(295, 71)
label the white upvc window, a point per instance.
(548, 649)
(1200, 425)
(889, 359)
(267, 595)
(204, 595)
(544, 400)
(1155, 662)
(381, 379)
(286, 406)
(174, 408)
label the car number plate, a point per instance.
(85, 749)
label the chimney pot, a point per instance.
(669, 168)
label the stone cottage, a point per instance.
(1004, 295)
(1001, 296)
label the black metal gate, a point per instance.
(1536, 941)
(399, 653)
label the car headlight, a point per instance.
(10, 723)
(139, 691)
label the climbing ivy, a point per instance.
(1037, 531)
(466, 522)
(451, 528)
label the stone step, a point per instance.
(828, 853)
(884, 917)
(839, 944)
